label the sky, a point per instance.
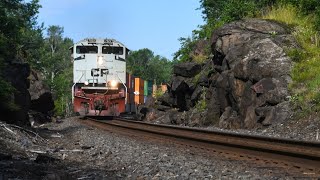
(153, 24)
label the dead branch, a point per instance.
(28, 131)
(6, 128)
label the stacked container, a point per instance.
(148, 89)
(139, 91)
(130, 106)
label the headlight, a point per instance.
(86, 83)
(100, 60)
(113, 83)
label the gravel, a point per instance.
(305, 129)
(70, 150)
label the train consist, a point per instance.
(101, 85)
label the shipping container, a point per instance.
(139, 91)
(130, 106)
(145, 88)
(148, 88)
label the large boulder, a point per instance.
(30, 97)
(254, 72)
(42, 103)
(188, 69)
(17, 74)
(246, 81)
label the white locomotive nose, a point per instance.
(100, 60)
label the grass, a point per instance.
(199, 58)
(305, 88)
(201, 105)
(158, 93)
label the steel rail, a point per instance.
(300, 155)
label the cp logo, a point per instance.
(99, 72)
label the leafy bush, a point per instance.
(297, 55)
(6, 90)
(143, 63)
(201, 105)
(199, 58)
(158, 93)
(305, 73)
(306, 7)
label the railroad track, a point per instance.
(293, 155)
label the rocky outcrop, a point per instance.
(31, 97)
(183, 91)
(245, 83)
(42, 103)
(254, 72)
(17, 74)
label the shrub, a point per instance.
(158, 93)
(305, 73)
(201, 105)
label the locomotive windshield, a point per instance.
(87, 49)
(112, 50)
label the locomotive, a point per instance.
(99, 77)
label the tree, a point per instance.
(143, 63)
(18, 21)
(187, 45)
(55, 56)
(62, 90)
(57, 67)
(216, 13)
(137, 62)
(19, 37)
(159, 69)
(54, 39)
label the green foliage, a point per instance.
(187, 45)
(59, 107)
(55, 57)
(305, 73)
(219, 12)
(19, 37)
(216, 13)
(17, 19)
(158, 93)
(199, 58)
(143, 63)
(201, 105)
(303, 16)
(306, 7)
(297, 55)
(56, 66)
(63, 81)
(230, 10)
(6, 102)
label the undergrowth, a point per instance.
(201, 105)
(158, 93)
(305, 73)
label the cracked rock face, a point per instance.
(246, 81)
(254, 71)
(17, 75)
